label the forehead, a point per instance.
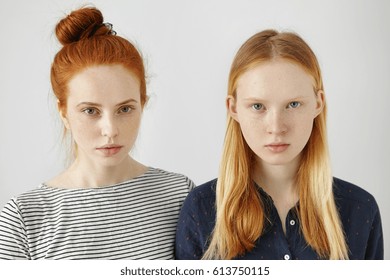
(103, 84)
(275, 79)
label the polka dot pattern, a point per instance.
(358, 210)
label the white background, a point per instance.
(188, 47)
(192, 270)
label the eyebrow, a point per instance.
(131, 100)
(256, 99)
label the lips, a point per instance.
(109, 150)
(277, 147)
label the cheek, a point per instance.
(251, 125)
(82, 131)
(252, 130)
(303, 129)
(248, 121)
(129, 127)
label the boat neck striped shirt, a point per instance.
(135, 219)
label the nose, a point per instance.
(108, 127)
(276, 122)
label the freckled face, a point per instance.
(104, 113)
(275, 107)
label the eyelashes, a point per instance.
(125, 109)
(257, 106)
(92, 111)
(294, 104)
(291, 105)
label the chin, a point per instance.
(277, 160)
(111, 161)
(276, 163)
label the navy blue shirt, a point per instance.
(358, 210)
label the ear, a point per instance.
(231, 105)
(320, 102)
(63, 115)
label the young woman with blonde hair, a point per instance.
(106, 205)
(275, 197)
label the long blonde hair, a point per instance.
(240, 213)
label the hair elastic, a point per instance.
(97, 27)
(109, 26)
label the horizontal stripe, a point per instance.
(135, 219)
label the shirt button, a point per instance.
(286, 257)
(292, 222)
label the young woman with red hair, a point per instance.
(105, 205)
(275, 197)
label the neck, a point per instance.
(277, 180)
(83, 173)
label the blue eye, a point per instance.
(294, 104)
(257, 106)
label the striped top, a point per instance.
(135, 219)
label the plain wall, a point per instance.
(188, 48)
